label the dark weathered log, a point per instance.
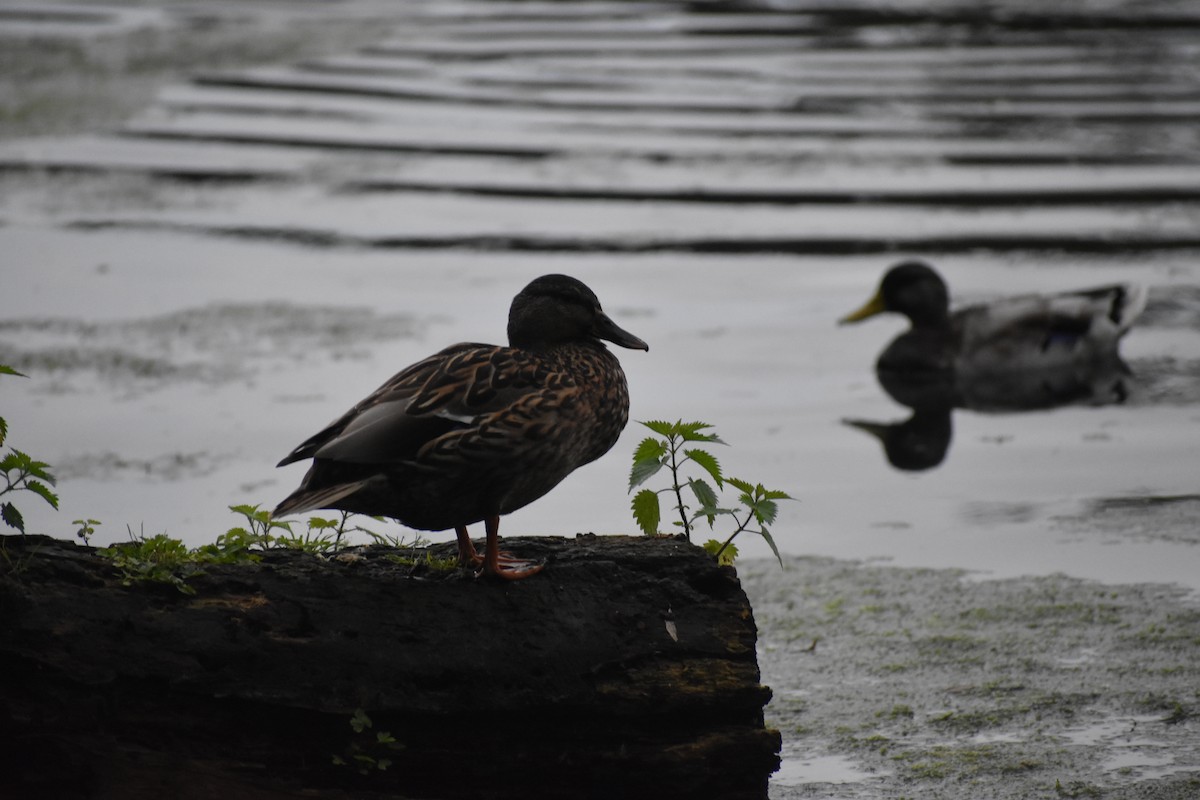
(566, 684)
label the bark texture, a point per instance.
(567, 684)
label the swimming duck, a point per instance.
(1030, 332)
(477, 430)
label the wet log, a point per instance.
(627, 668)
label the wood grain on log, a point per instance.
(568, 684)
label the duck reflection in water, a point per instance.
(1016, 354)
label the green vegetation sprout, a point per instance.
(675, 448)
(21, 473)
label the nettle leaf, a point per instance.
(772, 494)
(724, 553)
(650, 449)
(12, 517)
(360, 720)
(766, 534)
(43, 490)
(647, 460)
(3, 430)
(708, 462)
(662, 428)
(704, 493)
(7, 370)
(741, 485)
(646, 511)
(14, 460)
(692, 432)
(40, 469)
(764, 510)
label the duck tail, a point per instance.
(305, 499)
(1128, 303)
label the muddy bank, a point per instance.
(894, 682)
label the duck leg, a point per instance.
(467, 555)
(502, 565)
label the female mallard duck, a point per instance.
(478, 430)
(1031, 332)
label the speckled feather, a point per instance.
(472, 431)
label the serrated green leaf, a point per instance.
(708, 462)
(650, 449)
(704, 493)
(661, 427)
(7, 370)
(3, 430)
(772, 494)
(741, 485)
(767, 535)
(694, 432)
(646, 511)
(12, 517)
(244, 509)
(764, 511)
(15, 460)
(321, 524)
(724, 553)
(40, 469)
(44, 492)
(648, 463)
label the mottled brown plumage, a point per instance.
(476, 431)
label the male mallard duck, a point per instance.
(1028, 332)
(479, 430)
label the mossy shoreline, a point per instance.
(936, 684)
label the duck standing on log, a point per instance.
(477, 431)
(1024, 333)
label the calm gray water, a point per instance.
(209, 251)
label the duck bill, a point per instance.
(879, 430)
(605, 328)
(873, 306)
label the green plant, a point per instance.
(87, 528)
(671, 450)
(157, 559)
(341, 526)
(367, 751)
(326, 534)
(21, 472)
(163, 559)
(429, 561)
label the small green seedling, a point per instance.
(676, 447)
(367, 752)
(21, 473)
(86, 529)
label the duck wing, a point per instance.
(446, 392)
(1037, 329)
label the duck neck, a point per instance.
(930, 319)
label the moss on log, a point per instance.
(567, 684)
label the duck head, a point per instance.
(911, 288)
(558, 309)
